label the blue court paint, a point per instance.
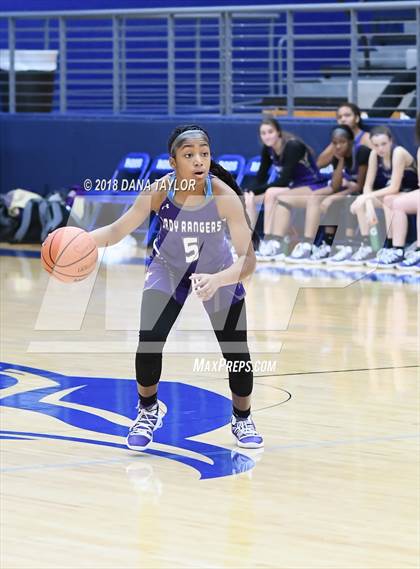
(191, 411)
(6, 381)
(13, 436)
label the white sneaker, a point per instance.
(319, 254)
(300, 253)
(140, 434)
(361, 256)
(245, 433)
(387, 258)
(411, 261)
(271, 251)
(344, 252)
(262, 249)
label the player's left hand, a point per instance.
(370, 213)
(205, 285)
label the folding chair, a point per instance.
(233, 163)
(159, 167)
(132, 167)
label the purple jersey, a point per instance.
(308, 174)
(305, 173)
(359, 157)
(358, 139)
(190, 240)
(383, 177)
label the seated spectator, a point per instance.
(348, 114)
(391, 169)
(350, 164)
(401, 205)
(298, 176)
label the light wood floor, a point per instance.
(336, 487)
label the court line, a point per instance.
(198, 378)
(309, 445)
(334, 371)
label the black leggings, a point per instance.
(158, 314)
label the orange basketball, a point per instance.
(69, 254)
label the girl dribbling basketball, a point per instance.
(191, 252)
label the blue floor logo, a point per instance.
(105, 405)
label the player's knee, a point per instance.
(389, 201)
(395, 204)
(270, 194)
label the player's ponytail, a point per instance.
(215, 169)
(226, 177)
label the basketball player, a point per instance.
(350, 164)
(191, 251)
(391, 170)
(297, 176)
(348, 114)
(401, 205)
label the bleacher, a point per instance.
(185, 61)
(123, 79)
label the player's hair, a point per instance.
(215, 169)
(418, 128)
(272, 122)
(355, 110)
(376, 130)
(342, 130)
(284, 134)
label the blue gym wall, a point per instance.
(44, 153)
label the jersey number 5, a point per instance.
(191, 249)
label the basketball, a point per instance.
(69, 254)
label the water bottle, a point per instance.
(285, 245)
(375, 240)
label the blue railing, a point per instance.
(218, 60)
